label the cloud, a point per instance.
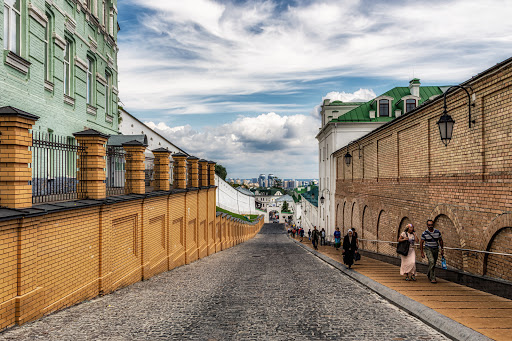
(361, 95)
(251, 145)
(178, 51)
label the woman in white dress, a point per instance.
(408, 267)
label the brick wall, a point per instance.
(59, 259)
(406, 174)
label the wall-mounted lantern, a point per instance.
(348, 158)
(446, 122)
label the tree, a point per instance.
(285, 206)
(221, 171)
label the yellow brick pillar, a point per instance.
(91, 164)
(211, 173)
(193, 172)
(161, 169)
(180, 171)
(15, 175)
(203, 173)
(135, 167)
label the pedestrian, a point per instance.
(408, 265)
(301, 232)
(322, 237)
(337, 238)
(309, 234)
(350, 245)
(293, 232)
(357, 256)
(315, 235)
(354, 231)
(433, 241)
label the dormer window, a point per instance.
(384, 108)
(410, 104)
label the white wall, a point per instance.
(132, 126)
(230, 199)
(331, 139)
(310, 218)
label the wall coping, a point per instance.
(48, 208)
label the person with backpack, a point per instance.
(315, 235)
(322, 237)
(432, 240)
(301, 232)
(309, 234)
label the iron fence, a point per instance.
(149, 172)
(116, 170)
(55, 168)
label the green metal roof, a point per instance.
(341, 103)
(362, 113)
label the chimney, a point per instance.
(414, 87)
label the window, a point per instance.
(410, 104)
(90, 80)
(67, 69)
(47, 49)
(108, 77)
(105, 15)
(384, 107)
(12, 26)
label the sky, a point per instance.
(240, 82)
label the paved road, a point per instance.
(265, 289)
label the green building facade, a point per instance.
(60, 63)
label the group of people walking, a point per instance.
(430, 243)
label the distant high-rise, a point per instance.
(262, 179)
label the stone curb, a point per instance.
(441, 323)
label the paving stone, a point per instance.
(268, 288)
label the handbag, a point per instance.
(403, 247)
(357, 256)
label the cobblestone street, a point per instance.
(265, 289)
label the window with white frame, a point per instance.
(67, 68)
(48, 48)
(12, 25)
(410, 104)
(384, 107)
(108, 86)
(90, 80)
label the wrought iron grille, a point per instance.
(55, 168)
(149, 170)
(116, 170)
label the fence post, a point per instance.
(179, 172)
(203, 169)
(91, 164)
(15, 174)
(161, 169)
(135, 167)
(211, 173)
(193, 172)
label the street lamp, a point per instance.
(322, 199)
(348, 158)
(446, 122)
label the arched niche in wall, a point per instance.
(499, 266)
(451, 238)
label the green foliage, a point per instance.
(252, 217)
(221, 171)
(285, 207)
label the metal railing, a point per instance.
(445, 247)
(116, 171)
(149, 172)
(55, 168)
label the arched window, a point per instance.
(384, 108)
(410, 104)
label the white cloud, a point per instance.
(251, 145)
(361, 95)
(218, 48)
